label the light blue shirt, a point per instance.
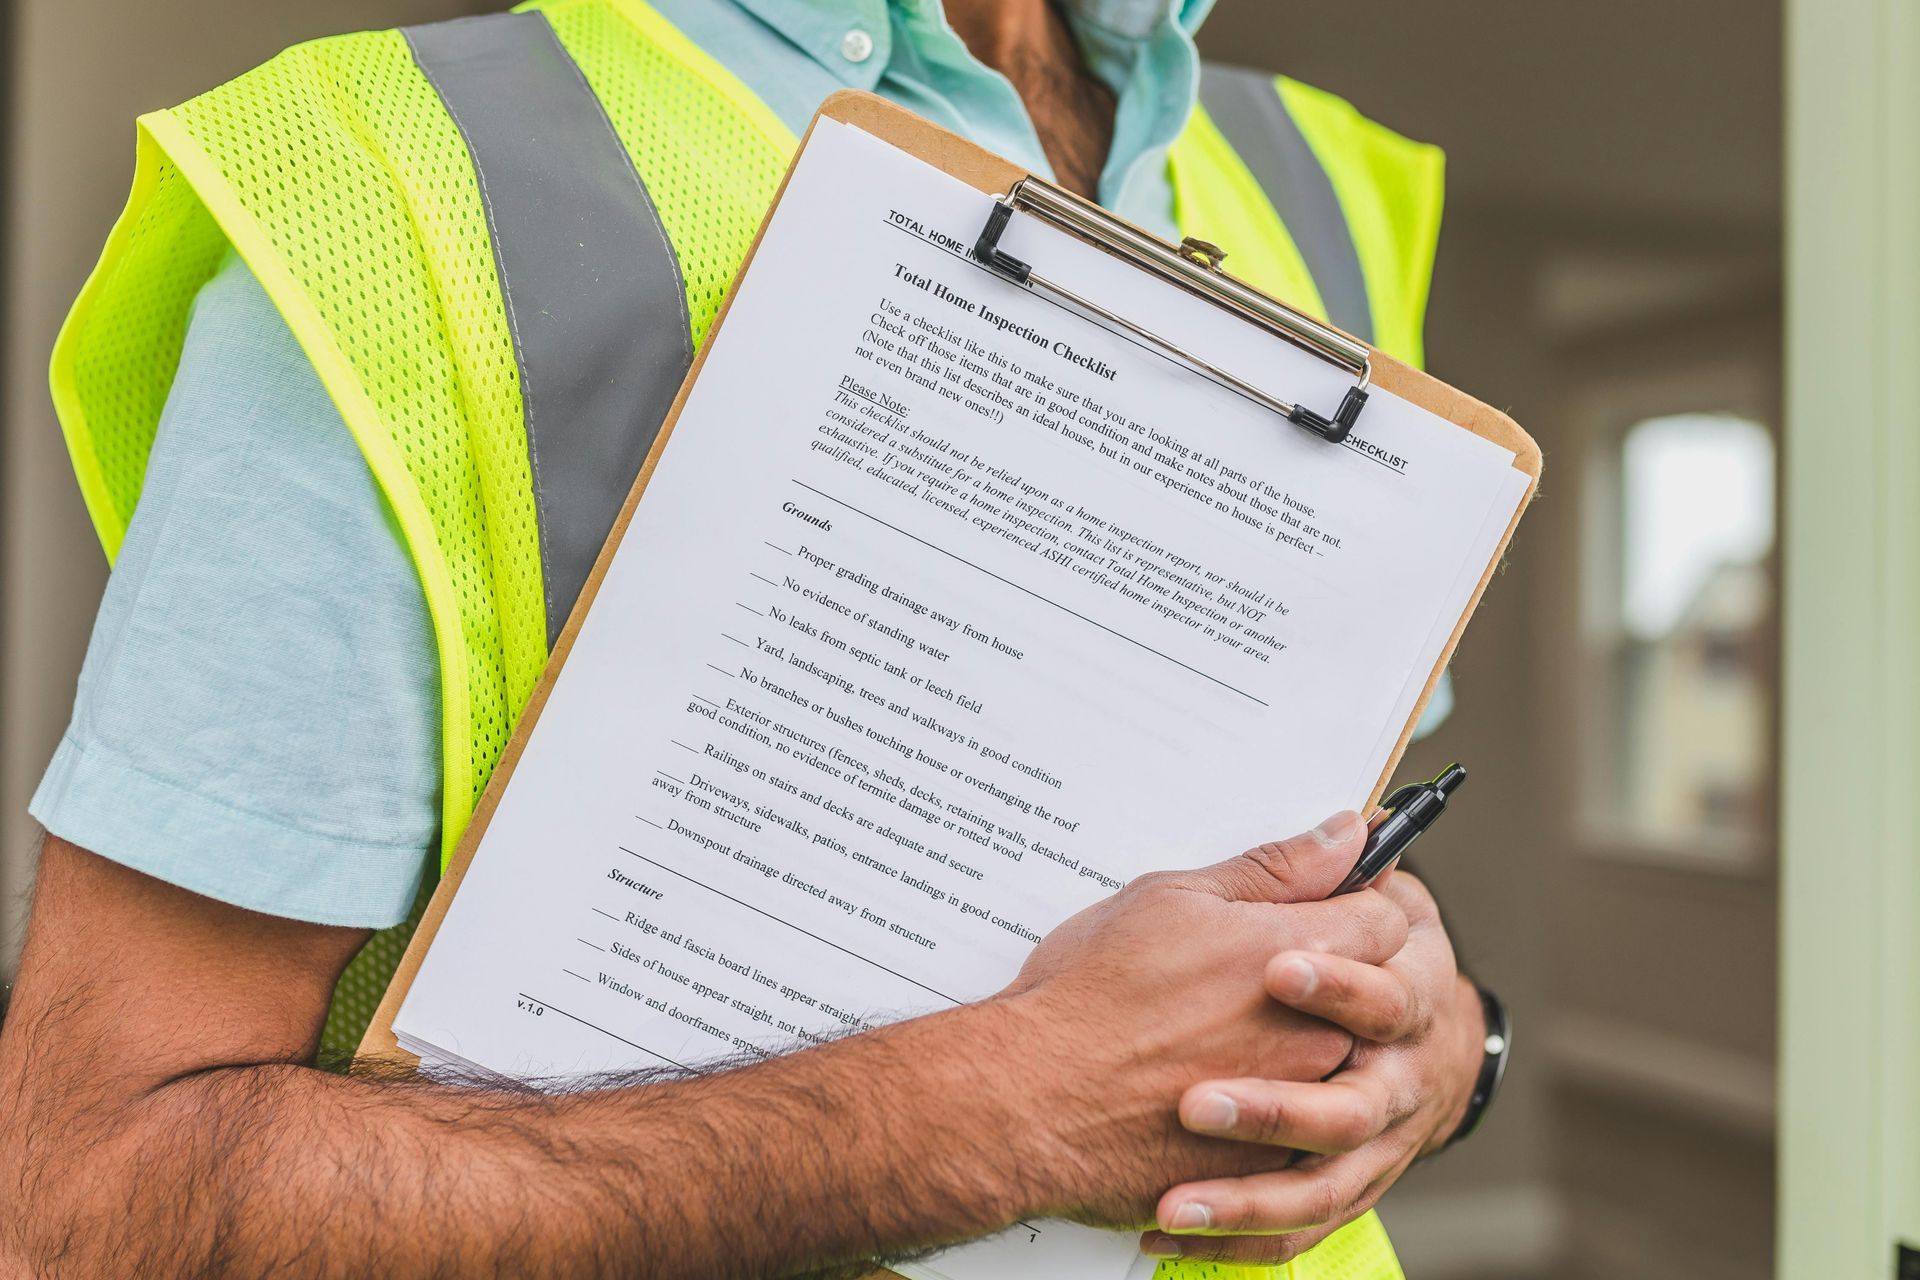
(257, 719)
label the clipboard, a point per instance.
(1192, 265)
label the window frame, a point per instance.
(1600, 409)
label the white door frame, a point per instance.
(1850, 891)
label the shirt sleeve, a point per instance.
(257, 719)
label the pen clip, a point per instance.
(1400, 795)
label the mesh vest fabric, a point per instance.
(337, 174)
(1358, 1251)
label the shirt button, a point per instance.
(856, 46)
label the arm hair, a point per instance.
(160, 1120)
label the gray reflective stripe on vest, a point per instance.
(1246, 106)
(595, 299)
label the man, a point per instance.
(303, 359)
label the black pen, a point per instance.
(1403, 816)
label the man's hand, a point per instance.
(1419, 1028)
(1145, 994)
(158, 1116)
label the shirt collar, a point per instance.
(820, 29)
(1138, 19)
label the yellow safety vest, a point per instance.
(500, 241)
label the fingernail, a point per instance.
(1160, 1247)
(1215, 1113)
(1296, 978)
(1337, 830)
(1190, 1217)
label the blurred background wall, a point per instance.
(1609, 273)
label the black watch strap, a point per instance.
(1493, 1064)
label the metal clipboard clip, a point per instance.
(1193, 265)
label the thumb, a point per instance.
(1305, 868)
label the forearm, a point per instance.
(155, 1117)
(878, 1145)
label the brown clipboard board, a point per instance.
(989, 173)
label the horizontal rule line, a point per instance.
(594, 1026)
(790, 924)
(1118, 635)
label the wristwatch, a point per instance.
(1493, 1064)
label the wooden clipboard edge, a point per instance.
(988, 172)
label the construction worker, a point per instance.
(295, 391)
